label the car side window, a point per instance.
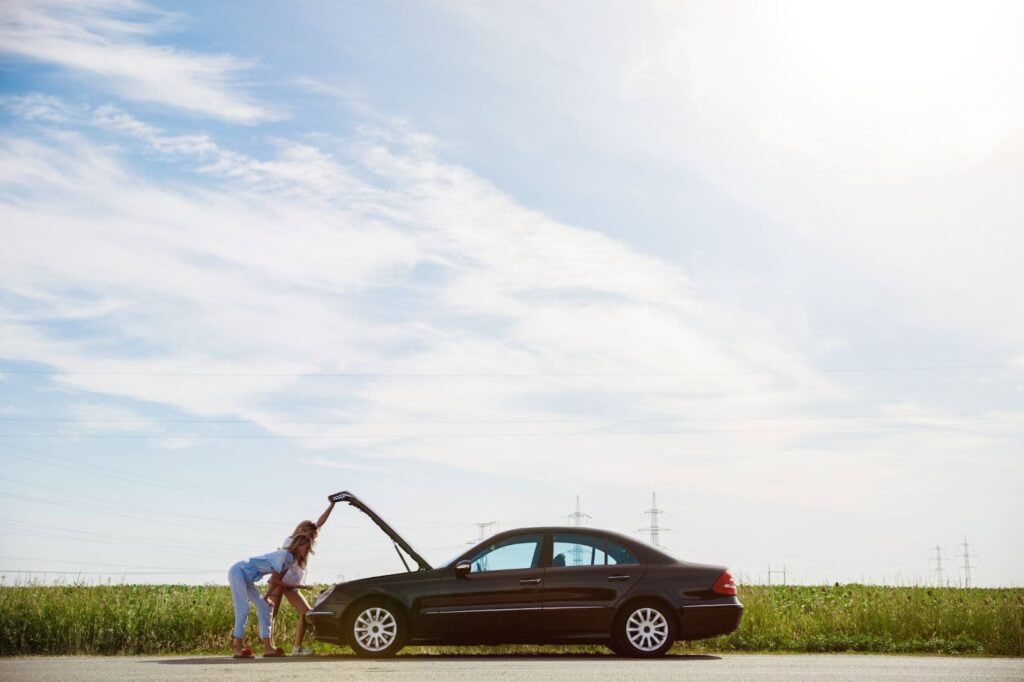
(617, 554)
(577, 549)
(516, 552)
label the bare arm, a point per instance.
(278, 585)
(274, 591)
(323, 517)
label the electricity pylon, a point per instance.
(938, 566)
(966, 556)
(655, 528)
(577, 518)
(484, 530)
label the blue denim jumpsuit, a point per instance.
(243, 576)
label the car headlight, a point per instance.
(322, 597)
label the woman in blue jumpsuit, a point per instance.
(242, 577)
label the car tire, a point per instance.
(644, 630)
(376, 629)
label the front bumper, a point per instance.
(700, 621)
(325, 625)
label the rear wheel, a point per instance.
(644, 629)
(376, 628)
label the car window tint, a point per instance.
(518, 551)
(577, 549)
(617, 554)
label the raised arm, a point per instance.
(323, 517)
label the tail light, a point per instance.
(725, 584)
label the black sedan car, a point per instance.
(557, 585)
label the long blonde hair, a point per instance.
(306, 528)
(299, 541)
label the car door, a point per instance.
(588, 576)
(499, 599)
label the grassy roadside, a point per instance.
(178, 619)
(898, 620)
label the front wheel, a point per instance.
(376, 629)
(644, 629)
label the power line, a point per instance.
(97, 563)
(17, 525)
(346, 436)
(179, 549)
(149, 510)
(105, 512)
(107, 572)
(592, 420)
(655, 528)
(493, 375)
(130, 477)
(104, 509)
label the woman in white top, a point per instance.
(292, 581)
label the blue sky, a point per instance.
(472, 262)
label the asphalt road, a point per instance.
(726, 667)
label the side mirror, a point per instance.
(462, 569)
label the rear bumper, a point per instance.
(325, 625)
(700, 621)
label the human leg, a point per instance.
(263, 615)
(298, 601)
(239, 599)
(274, 598)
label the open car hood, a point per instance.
(346, 496)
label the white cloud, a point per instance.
(368, 258)
(38, 106)
(110, 41)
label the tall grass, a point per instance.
(175, 619)
(119, 619)
(878, 619)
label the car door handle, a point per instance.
(530, 581)
(618, 578)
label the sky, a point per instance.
(471, 261)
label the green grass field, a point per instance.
(175, 619)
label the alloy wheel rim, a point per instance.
(647, 629)
(375, 629)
